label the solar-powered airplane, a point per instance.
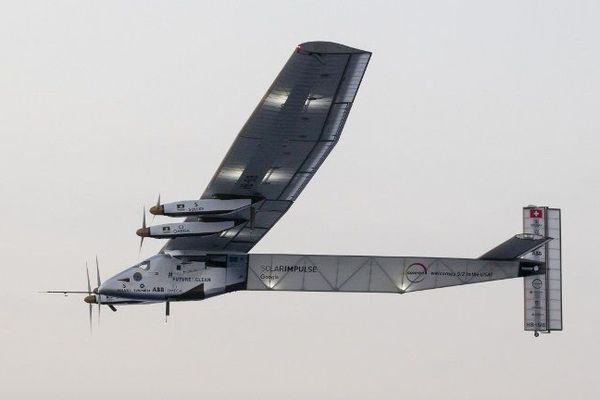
(279, 149)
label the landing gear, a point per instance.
(536, 334)
(167, 309)
(252, 217)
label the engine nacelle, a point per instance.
(183, 229)
(199, 207)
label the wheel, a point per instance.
(536, 334)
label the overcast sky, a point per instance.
(468, 111)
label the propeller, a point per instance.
(98, 282)
(93, 297)
(143, 228)
(89, 287)
(157, 207)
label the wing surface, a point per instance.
(283, 143)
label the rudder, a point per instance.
(543, 293)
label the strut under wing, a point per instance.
(279, 149)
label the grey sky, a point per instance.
(468, 111)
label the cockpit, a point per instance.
(144, 265)
(155, 261)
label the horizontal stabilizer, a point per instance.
(516, 247)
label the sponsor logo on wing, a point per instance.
(181, 229)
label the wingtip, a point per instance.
(324, 47)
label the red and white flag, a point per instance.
(535, 213)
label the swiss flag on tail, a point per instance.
(535, 213)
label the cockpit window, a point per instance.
(188, 259)
(144, 265)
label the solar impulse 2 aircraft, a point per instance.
(279, 149)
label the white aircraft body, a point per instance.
(288, 136)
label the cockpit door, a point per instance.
(177, 278)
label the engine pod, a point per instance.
(199, 207)
(183, 229)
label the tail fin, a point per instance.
(543, 293)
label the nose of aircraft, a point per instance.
(108, 287)
(91, 299)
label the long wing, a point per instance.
(286, 139)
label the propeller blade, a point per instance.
(90, 308)
(157, 206)
(87, 272)
(143, 227)
(89, 287)
(98, 281)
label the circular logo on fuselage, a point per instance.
(415, 272)
(536, 283)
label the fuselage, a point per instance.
(176, 278)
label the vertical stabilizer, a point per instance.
(543, 293)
